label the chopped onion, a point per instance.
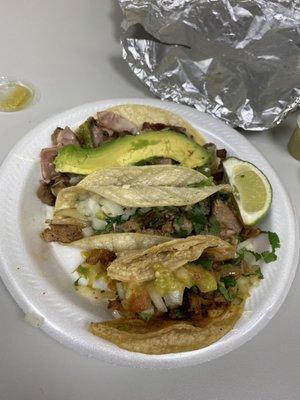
(99, 284)
(157, 299)
(257, 244)
(98, 224)
(174, 299)
(128, 212)
(83, 281)
(120, 290)
(88, 231)
(111, 208)
(93, 205)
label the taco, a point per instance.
(145, 198)
(122, 199)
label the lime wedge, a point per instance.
(14, 96)
(251, 190)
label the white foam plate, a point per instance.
(38, 275)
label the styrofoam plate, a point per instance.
(38, 275)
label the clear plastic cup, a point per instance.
(16, 94)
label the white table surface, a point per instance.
(70, 50)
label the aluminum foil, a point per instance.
(236, 60)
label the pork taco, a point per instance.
(165, 222)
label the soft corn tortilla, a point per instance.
(163, 336)
(147, 186)
(140, 265)
(120, 242)
(138, 114)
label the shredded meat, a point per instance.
(148, 126)
(45, 194)
(66, 233)
(230, 225)
(102, 256)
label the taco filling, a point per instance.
(160, 223)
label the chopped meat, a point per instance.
(138, 302)
(195, 302)
(148, 126)
(45, 195)
(63, 137)
(102, 256)
(222, 154)
(66, 136)
(131, 226)
(164, 161)
(115, 305)
(183, 225)
(55, 135)
(62, 233)
(218, 175)
(230, 225)
(47, 157)
(60, 182)
(116, 122)
(167, 227)
(248, 233)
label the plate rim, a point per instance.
(169, 360)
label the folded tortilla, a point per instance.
(120, 242)
(147, 186)
(140, 265)
(163, 336)
(139, 113)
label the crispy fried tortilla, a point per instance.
(139, 266)
(163, 336)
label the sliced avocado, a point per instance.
(129, 150)
(84, 135)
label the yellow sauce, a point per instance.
(14, 96)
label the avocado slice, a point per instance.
(129, 150)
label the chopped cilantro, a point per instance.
(206, 263)
(268, 256)
(274, 240)
(229, 281)
(146, 316)
(214, 228)
(228, 295)
(110, 225)
(84, 271)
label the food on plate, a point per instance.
(130, 150)
(165, 224)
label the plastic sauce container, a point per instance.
(16, 94)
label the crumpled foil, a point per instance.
(236, 60)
